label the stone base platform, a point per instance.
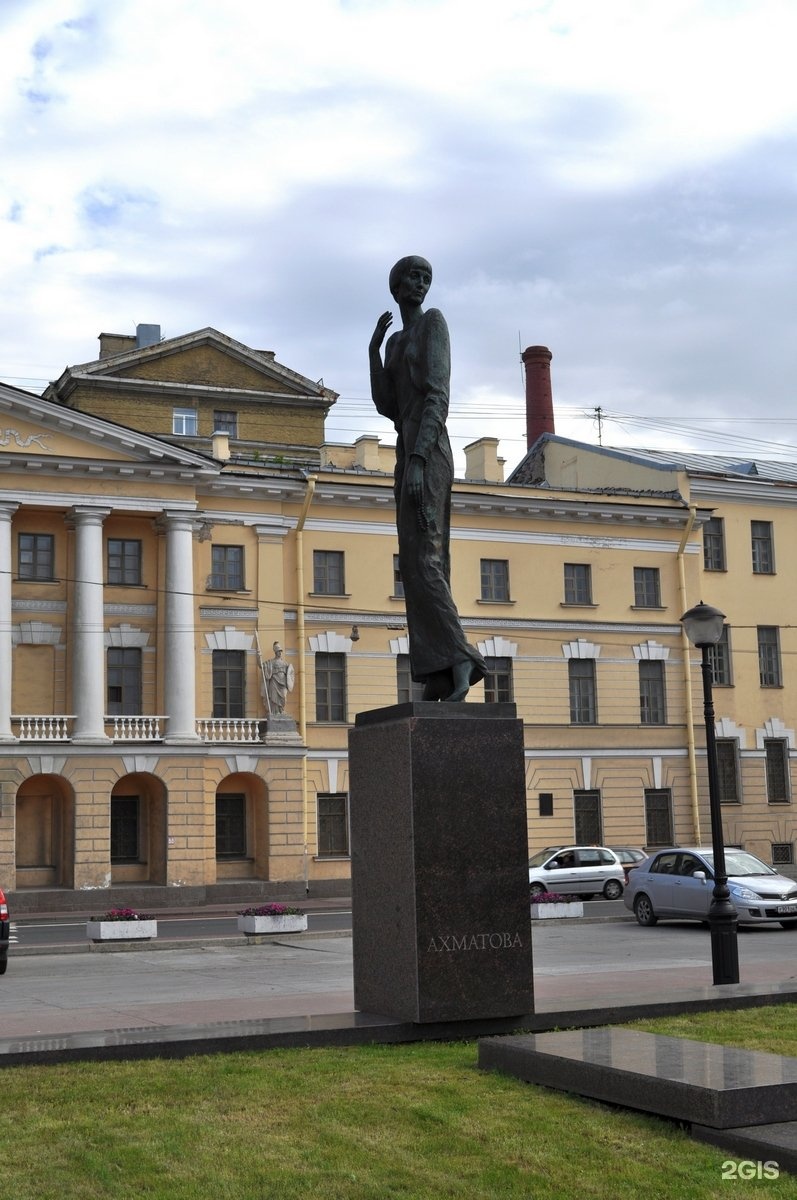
(762, 1147)
(717, 1086)
(735, 1099)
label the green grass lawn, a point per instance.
(377, 1122)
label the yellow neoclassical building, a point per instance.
(171, 510)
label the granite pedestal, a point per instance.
(279, 729)
(441, 923)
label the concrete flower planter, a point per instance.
(120, 931)
(283, 924)
(572, 908)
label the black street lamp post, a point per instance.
(704, 625)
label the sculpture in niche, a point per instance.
(411, 388)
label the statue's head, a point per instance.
(277, 649)
(402, 267)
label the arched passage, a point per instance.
(138, 830)
(45, 832)
(242, 828)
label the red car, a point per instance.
(5, 933)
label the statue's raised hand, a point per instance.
(382, 326)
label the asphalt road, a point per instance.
(70, 930)
(66, 931)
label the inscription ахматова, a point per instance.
(475, 941)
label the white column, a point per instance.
(6, 513)
(88, 622)
(180, 663)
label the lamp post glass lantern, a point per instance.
(704, 625)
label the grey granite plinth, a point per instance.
(440, 907)
(279, 729)
(715, 1086)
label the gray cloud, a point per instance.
(270, 197)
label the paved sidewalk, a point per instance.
(299, 990)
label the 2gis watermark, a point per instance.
(747, 1169)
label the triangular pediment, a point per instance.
(205, 360)
(36, 434)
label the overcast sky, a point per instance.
(614, 179)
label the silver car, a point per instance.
(580, 870)
(678, 884)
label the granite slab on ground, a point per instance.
(765, 1150)
(719, 1087)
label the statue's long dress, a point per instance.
(415, 398)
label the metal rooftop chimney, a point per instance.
(147, 335)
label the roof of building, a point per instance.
(697, 462)
(693, 462)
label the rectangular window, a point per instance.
(782, 854)
(123, 681)
(225, 422)
(658, 817)
(719, 657)
(728, 770)
(776, 751)
(229, 683)
(587, 818)
(406, 689)
(545, 803)
(763, 547)
(578, 583)
(498, 681)
(125, 812)
(333, 824)
(647, 589)
(495, 579)
(652, 703)
(714, 544)
(769, 672)
(184, 422)
(330, 687)
(583, 692)
(230, 825)
(36, 556)
(227, 568)
(398, 582)
(328, 572)
(124, 561)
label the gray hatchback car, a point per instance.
(678, 883)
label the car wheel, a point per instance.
(643, 910)
(536, 889)
(3, 965)
(788, 924)
(612, 889)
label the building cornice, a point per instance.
(745, 490)
(517, 504)
(181, 392)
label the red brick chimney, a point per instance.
(539, 398)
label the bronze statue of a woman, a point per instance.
(411, 389)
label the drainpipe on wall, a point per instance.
(308, 500)
(685, 653)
